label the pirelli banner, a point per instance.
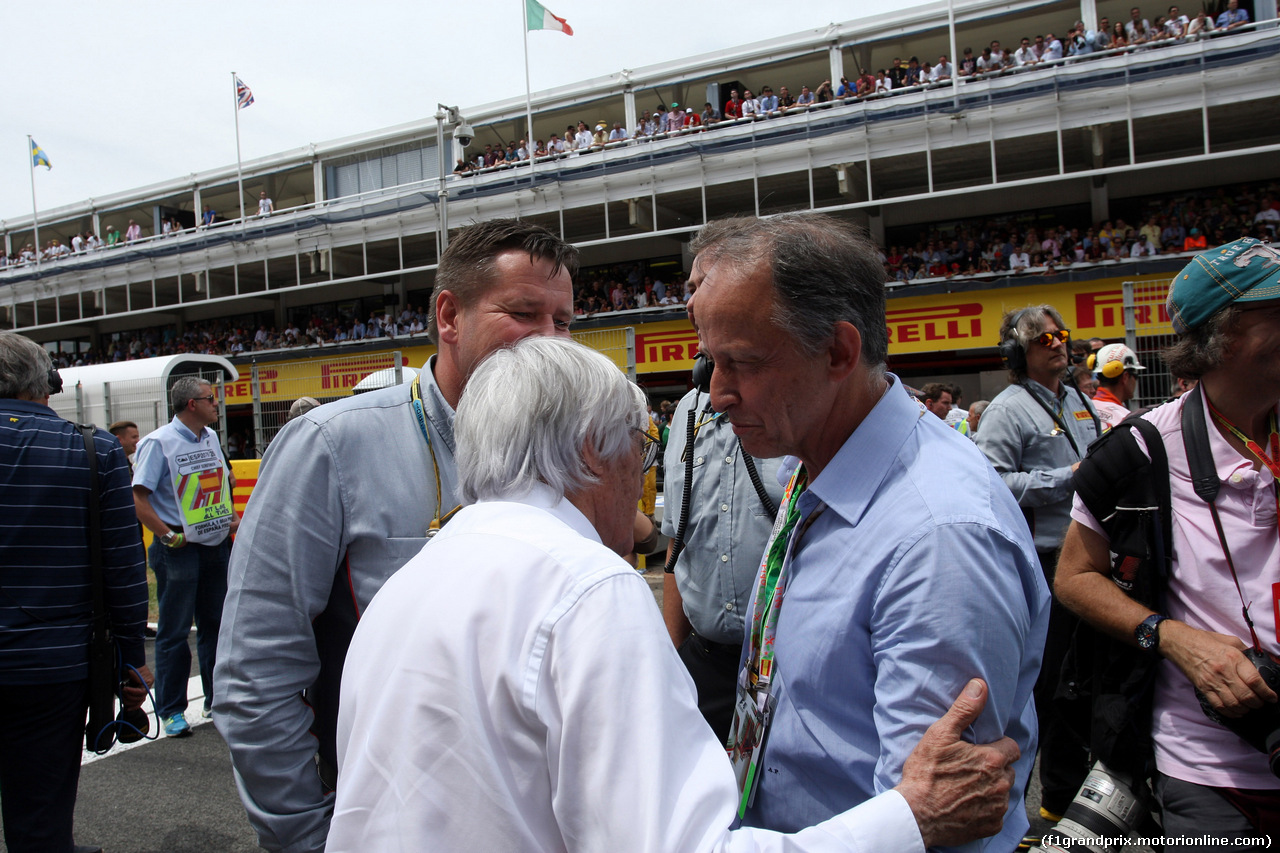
(955, 321)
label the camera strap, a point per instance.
(1204, 480)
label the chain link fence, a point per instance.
(1148, 331)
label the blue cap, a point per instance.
(1246, 270)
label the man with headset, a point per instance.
(1035, 432)
(719, 504)
(1116, 367)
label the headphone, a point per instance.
(1012, 355)
(1111, 370)
(703, 367)
(54, 378)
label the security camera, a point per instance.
(464, 133)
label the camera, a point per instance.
(1260, 727)
(1105, 813)
(464, 133)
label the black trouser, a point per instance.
(714, 667)
(41, 738)
(1064, 760)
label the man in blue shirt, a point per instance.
(1233, 17)
(907, 568)
(45, 602)
(182, 492)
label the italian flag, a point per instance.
(539, 17)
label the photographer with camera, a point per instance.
(46, 598)
(1176, 557)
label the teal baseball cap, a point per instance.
(1244, 270)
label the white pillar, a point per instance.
(837, 65)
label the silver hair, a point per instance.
(530, 410)
(825, 271)
(184, 391)
(24, 367)
(1024, 325)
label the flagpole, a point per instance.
(528, 93)
(35, 217)
(235, 105)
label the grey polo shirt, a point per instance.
(1033, 455)
(728, 527)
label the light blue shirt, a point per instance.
(151, 465)
(918, 575)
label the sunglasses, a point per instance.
(212, 398)
(649, 450)
(1046, 339)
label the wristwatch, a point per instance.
(169, 538)
(1147, 633)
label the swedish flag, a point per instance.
(38, 157)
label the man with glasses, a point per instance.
(182, 493)
(1035, 432)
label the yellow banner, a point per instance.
(317, 376)
(917, 324)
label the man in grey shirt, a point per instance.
(1035, 432)
(727, 527)
(347, 494)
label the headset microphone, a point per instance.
(703, 367)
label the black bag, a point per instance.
(104, 673)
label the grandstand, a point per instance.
(1179, 122)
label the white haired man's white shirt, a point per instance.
(493, 699)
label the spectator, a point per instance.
(1052, 48)
(191, 546)
(806, 97)
(1025, 56)
(1181, 622)
(968, 63)
(1119, 35)
(733, 106)
(206, 219)
(1201, 24)
(824, 94)
(750, 105)
(286, 637)
(45, 622)
(768, 101)
(943, 71)
(785, 100)
(265, 206)
(709, 115)
(1137, 27)
(937, 399)
(897, 73)
(1233, 17)
(1037, 470)
(1116, 368)
(133, 232)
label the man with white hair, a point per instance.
(347, 494)
(519, 716)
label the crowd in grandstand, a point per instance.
(1167, 226)
(1078, 42)
(1015, 244)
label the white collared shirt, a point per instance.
(512, 688)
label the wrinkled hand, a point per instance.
(958, 791)
(134, 692)
(1216, 665)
